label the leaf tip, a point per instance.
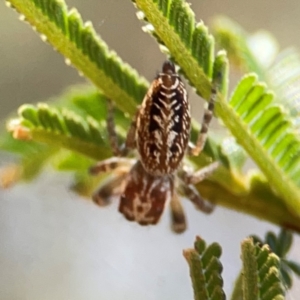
(19, 131)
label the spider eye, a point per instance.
(168, 67)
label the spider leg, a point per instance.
(201, 174)
(178, 220)
(111, 164)
(202, 136)
(112, 134)
(130, 142)
(110, 187)
(190, 179)
(114, 184)
(111, 129)
(193, 195)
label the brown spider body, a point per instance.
(163, 124)
(160, 131)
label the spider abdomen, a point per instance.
(145, 196)
(163, 123)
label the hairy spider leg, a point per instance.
(178, 219)
(143, 196)
(111, 164)
(115, 183)
(111, 186)
(207, 117)
(188, 179)
(190, 192)
(186, 189)
(112, 134)
(201, 174)
(111, 129)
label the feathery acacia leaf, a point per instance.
(284, 75)
(69, 161)
(281, 245)
(61, 129)
(271, 130)
(31, 158)
(78, 42)
(236, 41)
(205, 270)
(261, 275)
(174, 23)
(281, 71)
(86, 102)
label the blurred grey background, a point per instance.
(54, 245)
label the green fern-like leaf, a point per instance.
(61, 129)
(284, 74)
(228, 186)
(78, 42)
(86, 102)
(188, 43)
(205, 270)
(77, 164)
(240, 46)
(31, 158)
(270, 128)
(280, 71)
(261, 279)
(281, 245)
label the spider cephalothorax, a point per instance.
(160, 132)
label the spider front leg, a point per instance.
(112, 186)
(115, 183)
(112, 134)
(207, 117)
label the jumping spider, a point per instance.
(160, 132)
